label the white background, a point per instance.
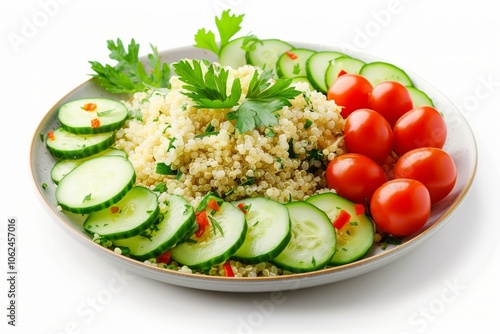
(448, 284)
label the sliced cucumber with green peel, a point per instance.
(316, 67)
(66, 145)
(95, 184)
(218, 243)
(128, 217)
(266, 53)
(268, 232)
(355, 238)
(63, 167)
(313, 239)
(92, 115)
(232, 54)
(377, 72)
(173, 225)
(302, 79)
(344, 63)
(292, 63)
(419, 98)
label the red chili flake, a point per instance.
(89, 106)
(95, 123)
(342, 219)
(212, 204)
(114, 209)
(228, 270)
(243, 207)
(202, 220)
(359, 209)
(51, 135)
(291, 55)
(164, 257)
(341, 73)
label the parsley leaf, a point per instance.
(129, 74)
(206, 84)
(262, 101)
(227, 25)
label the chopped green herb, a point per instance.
(296, 69)
(308, 124)
(87, 198)
(171, 144)
(291, 152)
(164, 169)
(206, 134)
(105, 112)
(390, 240)
(216, 225)
(44, 186)
(160, 187)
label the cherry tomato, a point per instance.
(401, 207)
(367, 132)
(354, 176)
(351, 92)
(420, 127)
(432, 166)
(391, 99)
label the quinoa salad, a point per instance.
(168, 128)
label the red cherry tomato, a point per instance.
(391, 99)
(354, 176)
(401, 207)
(351, 92)
(420, 127)
(432, 166)
(367, 132)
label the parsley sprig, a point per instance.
(209, 89)
(227, 25)
(130, 74)
(206, 84)
(262, 101)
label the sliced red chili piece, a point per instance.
(342, 219)
(228, 270)
(359, 209)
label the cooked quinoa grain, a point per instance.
(207, 153)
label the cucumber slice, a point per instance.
(377, 72)
(302, 79)
(292, 63)
(316, 67)
(344, 63)
(95, 184)
(268, 232)
(92, 115)
(232, 54)
(355, 238)
(218, 243)
(419, 97)
(266, 53)
(313, 239)
(174, 223)
(66, 145)
(130, 216)
(63, 167)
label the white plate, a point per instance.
(460, 144)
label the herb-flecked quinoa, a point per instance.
(205, 152)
